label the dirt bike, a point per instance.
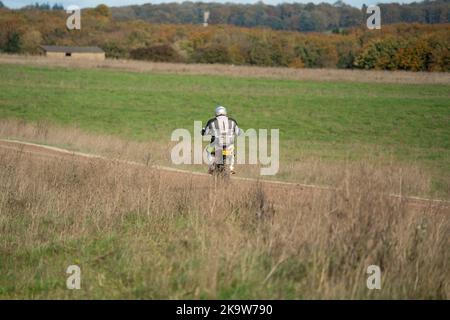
(221, 166)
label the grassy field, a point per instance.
(332, 121)
(141, 233)
(355, 75)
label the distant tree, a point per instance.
(339, 3)
(31, 40)
(260, 54)
(440, 52)
(414, 56)
(212, 53)
(284, 16)
(103, 10)
(296, 63)
(317, 53)
(380, 54)
(347, 51)
(306, 22)
(415, 47)
(43, 6)
(157, 53)
(114, 50)
(57, 6)
(13, 43)
(2, 5)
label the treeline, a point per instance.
(285, 16)
(39, 6)
(395, 47)
(44, 6)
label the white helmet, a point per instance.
(221, 111)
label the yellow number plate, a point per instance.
(226, 152)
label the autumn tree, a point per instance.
(211, 53)
(158, 53)
(103, 10)
(31, 40)
(13, 43)
(413, 47)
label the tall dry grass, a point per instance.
(44, 132)
(141, 233)
(407, 179)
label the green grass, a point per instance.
(328, 119)
(125, 252)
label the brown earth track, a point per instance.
(276, 190)
(199, 181)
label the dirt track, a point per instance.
(275, 188)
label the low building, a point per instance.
(87, 53)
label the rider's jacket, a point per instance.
(222, 128)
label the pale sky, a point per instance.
(118, 3)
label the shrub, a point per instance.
(113, 50)
(158, 53)
(213, 53)
(13, 43)
(380, 54)
(317, 53)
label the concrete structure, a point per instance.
(78, 53)
(205, 18)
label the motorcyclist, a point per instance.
(223, 130)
